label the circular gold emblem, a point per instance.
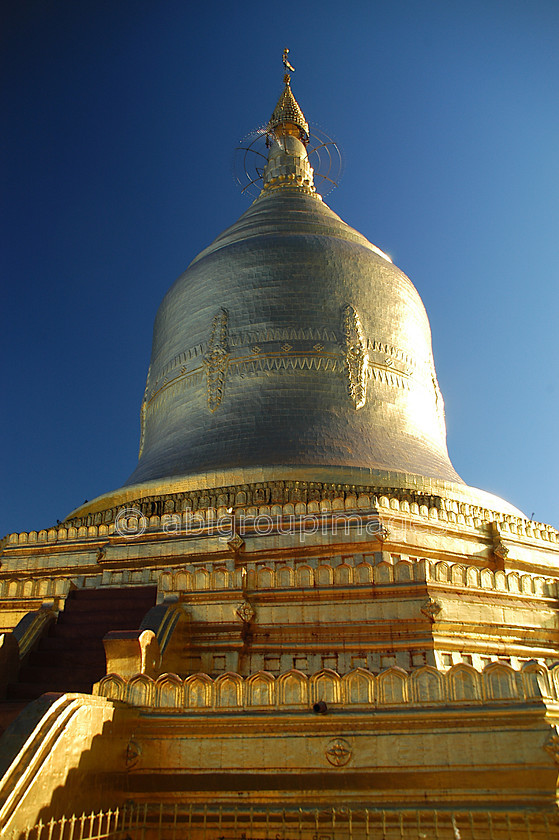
(133, 753)
(338, 752)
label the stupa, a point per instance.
(294, 619)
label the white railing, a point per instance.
(145, 821)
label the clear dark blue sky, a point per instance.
(120, 117)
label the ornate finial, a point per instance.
(286, 63)
(287, 135)
(287, 111)
(284, 141)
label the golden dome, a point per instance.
(292, 349)
(292, 340)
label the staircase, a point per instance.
(71, 657)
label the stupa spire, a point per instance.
(287, 137)
(287, 113)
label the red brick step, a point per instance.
(72, 657)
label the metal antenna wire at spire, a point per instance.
(278, 155)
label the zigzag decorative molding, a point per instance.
(315, 348)
(285, 362)
(390, 351)
(249, 337)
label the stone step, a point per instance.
(90, 631)
(76, 607)
(71, 657)
(132, 594)
(59, 645)
(90, 613)
(23, 691)
(68, 657)
(47, 674)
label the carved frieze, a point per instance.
(279, 491)
(284, 350)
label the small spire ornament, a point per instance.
(286, 63)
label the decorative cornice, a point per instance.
(409, 501)
(461, 685)
(180, 574)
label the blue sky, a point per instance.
(120, 123)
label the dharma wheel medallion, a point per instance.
(133, 753)
(338, 752)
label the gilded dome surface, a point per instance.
(291, 352)
(292, 340)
